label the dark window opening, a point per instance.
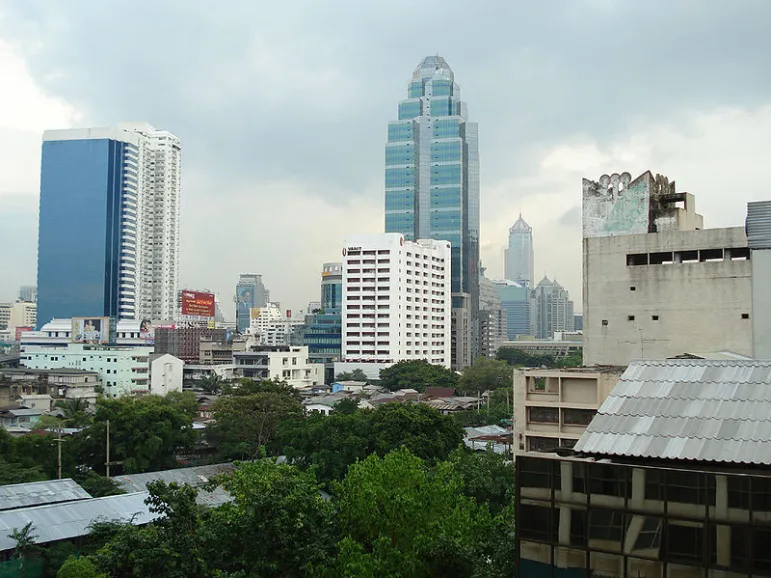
(745, 315)
(630, 318)
(710, 255)
(578, 416)
(578, 527)
(649, 537)
(607, 525)
(738, 254)
(538, 473)
(633, 288)
(579, 478)
(684, 543)
(637, 259)
(604, 322)
(542, 444)
(655, 317)
(687, 256)
(690, 487)
(610, 480)
(543, 414)
(538, 523)
(761, 553)
(661, 258)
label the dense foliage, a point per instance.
(418, 375)
(485, 374)
(519, 358)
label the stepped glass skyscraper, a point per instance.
(432, 186)
(108, 240)
(518, 257)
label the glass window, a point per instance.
(543, 414)
(761, 494)
(649, 537)
(400, 154)
(578, 529)
(610, 480)
(398, 132)
(400, 200)
(446, 174)
(441, 87)
(684, 543)
(415, 89)
(761, 552)
(399, 177)
(445, 197)
(409, 109)
(400, 222)
(654, 484)
(446, 220)
(538, 473)
(542, 444)
(447, 128)
(578, 416)
(441, 107)
(607, 526)
(690, 487)
(445, 151)
(538, 523)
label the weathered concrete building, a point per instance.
(656, 284)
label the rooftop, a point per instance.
(686, 409)
(433, 67)
(14, 496)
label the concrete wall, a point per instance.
(165, 374)
(761, 303)
(660, 310)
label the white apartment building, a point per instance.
(281, 362)
(270, 326)
(396, 300)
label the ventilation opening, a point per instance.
(604, 322)
(745, 315)
(707, 255)
(630, 317)
(633, 288)
(637, 259)
(687, 257)
(738, 254)
(661, 258)
(655, 317)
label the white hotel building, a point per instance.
(396, 300)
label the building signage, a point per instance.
(197, 303)
(90, 330)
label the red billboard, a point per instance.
(197, 303)
(20, 330)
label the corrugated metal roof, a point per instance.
(68, 520)
(38, 493)
(759, 225)
(686, 409)
(195, 476)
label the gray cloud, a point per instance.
(280, 104)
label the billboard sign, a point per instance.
(244, 304)
(91, 330)
(147, 331)
(20, 330)
(197, 303)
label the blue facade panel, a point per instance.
(79, 238)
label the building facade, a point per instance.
(396, 300)
(492, 318)
(20, 314)
(518, 257)
(250, 294)
(123, 185)
(271, 326)
(283, 363)
(432, 180)
(515, 301)
(185, 342)
(552, 309)
(656, 284)
(28, 293)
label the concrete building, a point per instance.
(671, 479)
(28, 293)
(552, 309)
(280, 362)
(492, 318)
(518, 257)
(250, 294)
(185, 342)
(656, 284)
(122, 185)
(553, 407)
(515, 301)
(213, 352)
(16, 315)
(561, 345)
(759, 242)
(165, 374)
(432, 182)
(55, 383)
(269, 325)
(396, 300)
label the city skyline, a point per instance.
(544, 123)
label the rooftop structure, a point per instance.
(28, 494)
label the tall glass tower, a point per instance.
(518, 257)
(432, 182)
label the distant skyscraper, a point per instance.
(518, 257)
(492, 317)
(553, 309)
(332, 287)
(432, 181)
(250, 294)
(108, 240)
(28, 293)
(515, 301)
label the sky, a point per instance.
(282, 108)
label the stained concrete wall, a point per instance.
(761, 303)
(658, 311)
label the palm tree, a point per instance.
(25, 542)
(211, 384)
(73, 410)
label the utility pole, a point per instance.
(107, 463)
(59, 444)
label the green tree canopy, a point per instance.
(77, 568)
(418, 375)
(486, 374)
(355, 375)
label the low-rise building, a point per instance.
(563, 344)
(165, 373)
(57, 383)
(671, 479)
(553, 407)
(280, 362)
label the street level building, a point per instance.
(432, 184)
(117, 190)
(396, 300)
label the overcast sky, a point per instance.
(282, 108)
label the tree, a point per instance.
(486, 476)
(25, 543)
(355, 375)
(145, 432)
(77, 568)
(400, 519)
(419, 428)
(16, 473)
(485, 374)
(211, 384)
(74, 411)
(519, 358)
(276, 526)
(248, 386)
(245, 423)
(417, 374)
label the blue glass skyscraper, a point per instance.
(87, 229)
(432, 179)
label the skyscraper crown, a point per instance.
(433, 67)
